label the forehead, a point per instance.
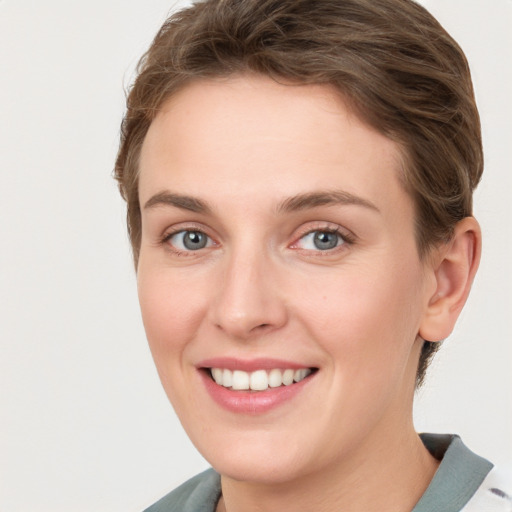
(250, 135)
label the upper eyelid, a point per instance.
(186, 226)
(164, 239)
(344, 239)
(330, 227)
(172, 234)
(165, 242)
(300, 232)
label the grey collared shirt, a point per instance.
(458, 478)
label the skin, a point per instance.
(261, 288)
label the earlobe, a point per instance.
(454, 269)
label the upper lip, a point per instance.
(250, 365)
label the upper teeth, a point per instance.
(258, 380)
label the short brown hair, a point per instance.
(393, 62)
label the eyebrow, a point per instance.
(298, 202)
(184, 202)
(323, 198)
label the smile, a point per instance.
(256, 386)
(259, 380)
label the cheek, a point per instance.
(171, 310)
(369, 316)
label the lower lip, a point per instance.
(251, 402)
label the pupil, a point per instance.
(194, 240)
(324, 240)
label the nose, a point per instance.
(249, 301)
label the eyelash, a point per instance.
(165, 240)
(344, 239)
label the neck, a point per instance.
(376, 478)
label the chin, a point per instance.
(257, 462)
(267, 472)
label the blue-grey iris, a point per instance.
(324, 240)
(194, 240)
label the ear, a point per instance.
(454, 266)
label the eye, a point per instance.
(321, 240)
(189, 240)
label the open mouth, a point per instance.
(259, 380)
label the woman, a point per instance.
(299, 182)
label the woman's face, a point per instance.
(276, 237)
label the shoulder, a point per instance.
(494, 494)
(199, 494)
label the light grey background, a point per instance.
(84, 424)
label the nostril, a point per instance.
(261, 327)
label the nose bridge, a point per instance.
(248, 301)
